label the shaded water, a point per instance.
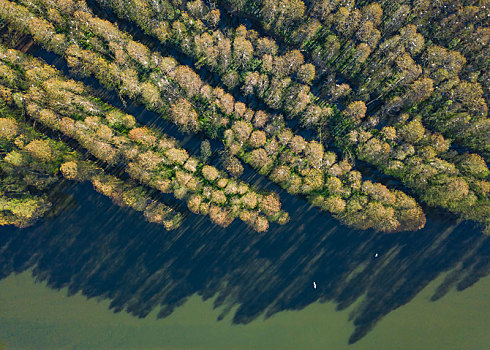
(112, 254)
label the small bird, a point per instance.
(314, 285)
(376, 255)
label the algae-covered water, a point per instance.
(36, 317)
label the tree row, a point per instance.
(147, 155)
(405, 149)
(385, 74)
(32, 164)
(179, 94)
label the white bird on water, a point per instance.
(314, 285)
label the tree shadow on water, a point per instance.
(112, 253)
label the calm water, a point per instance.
(202, 287)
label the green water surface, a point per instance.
(33, 316)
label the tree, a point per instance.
(270, 204)
(260, 224)
(306, 73)
(7, 75)
(202, 43)
(266, 46)
(334, 204)
(251, 81)
(280, 174)
(249, 200)
(274, 98)
(340, 19)
(397, 19)
(337, 91)
(407, 69)
(315, 116)
(176, 155)
(196, 8)
(22, 212)
(188, 80)
(297, 144)
(333, 185)
(260, 119)
(442, 64)
(314, 153)
(40, 149)
(213, 18)
(374, 150)
(297, 99)
(223, 47)
(356, 111)
(184, 115)
(412, 132)
(243, 51)
(323, 8)
(389, 133)
(150, 160)
(354, 179)
(257, 139)
(8, 128)
(220, 216)
(306, 32)
(210, 173)
(138, 52)
(206, 151)
(368, 33)
(283, 14)
(373, 13)
(218, 197)
(352, 24)
(447, 191)
(470, 96)
(259, 159)
(419, 91)
(231, 79)
(378, 192)
(242, 130)
(151, 96)
(143, 135)
(233, 166)
(130, 85)
(474, 165)
(414, 42)
(291, 61)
